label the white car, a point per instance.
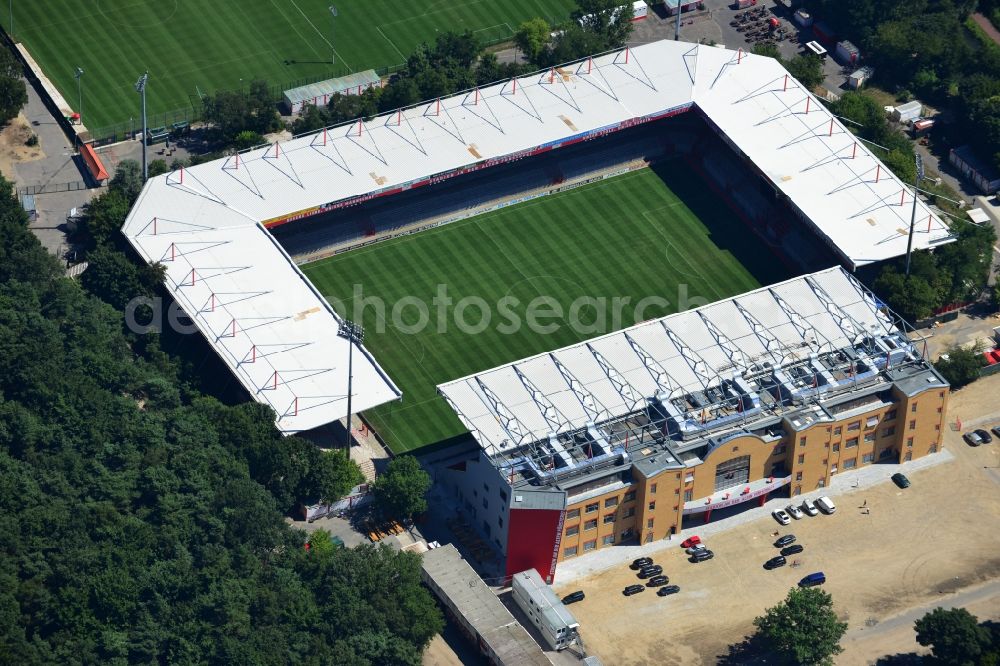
(781, 516)
(809, 508)
(695, 548)
(826, 505)
(794, 511)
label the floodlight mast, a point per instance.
(78, 75)
(677, 27)
(140, 87)
(354, 334)
(913, 214)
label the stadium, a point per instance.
(415, 194)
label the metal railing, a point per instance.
(49, 188)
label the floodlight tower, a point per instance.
(78, 75)
(913, 214)
(677, 27)
(333, 15)
(140, 87)
(354, 334)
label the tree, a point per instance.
(609, 20)
(914, 298)
(808, 70)
(531, 37)
(13, 93)
(127, 180)
(401, 491)
(158, 168)
(321, 544)
(13, 97)
(954, 635)
(331, 476)
(803, 627)
(961, 366)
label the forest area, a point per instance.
(143, 519)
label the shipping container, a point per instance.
(803, 18)
(847, 53)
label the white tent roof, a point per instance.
(583, 383)
(211, 218)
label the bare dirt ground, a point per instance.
(897, 557)
(13, 148)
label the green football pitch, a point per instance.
(650, 233)
(199, 46)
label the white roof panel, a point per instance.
(510, 417)
(212, 218)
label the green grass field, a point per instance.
(196, 45)
(636, 235)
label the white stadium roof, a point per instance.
(207, 223)
(611, 376)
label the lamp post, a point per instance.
(677, 28)
(78, 75)
(354, 334)
(913, 214)
(333, 15)
(140, 87)
(10, 6)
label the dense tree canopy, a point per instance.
(803, 628)
(926, 46)
(401, 491)
(13, 93)
(955, 637)
(142, 521)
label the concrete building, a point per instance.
(631, 436)
(473, 606)
(985, 177)
(547, 612)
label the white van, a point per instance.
(826, 505)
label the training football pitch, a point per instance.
(651, 233)
(199, 46)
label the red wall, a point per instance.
(533, 540)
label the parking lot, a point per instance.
(885, 552)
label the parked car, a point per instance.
(691, 541)
(794, 549)
(632, 589)
(649, 572)
(813, 579)
(900, 480)
(793, 511)
(972, 438)
(775, 562)
(702, 555)
(695, 548)
(984, 436)
(640, 563)
(781, 516)
(995, 430)
(809, 507)
(657, 581)
(574, 597)
(784, 541)
(826, 505)
(669, 589)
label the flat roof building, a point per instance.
(477, 610)
(547, 612)
(632, 435)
